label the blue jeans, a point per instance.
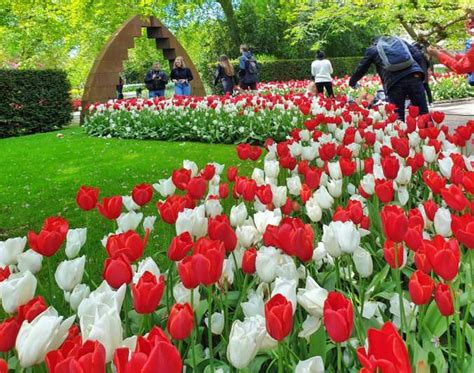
(228, 86)
(182, 89)
(409, 87)
(159, 93)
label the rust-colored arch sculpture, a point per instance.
(104, 74)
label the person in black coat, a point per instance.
(225, 75)
(181, 76)
(155, 81)
(398, 85)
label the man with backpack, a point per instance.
(399, 66)
(248, 69)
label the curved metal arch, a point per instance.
(104, 74)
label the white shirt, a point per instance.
(321, 70)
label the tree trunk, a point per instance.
(231, 21)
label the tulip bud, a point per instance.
(180, 321)
(363, 262)
(69, 273)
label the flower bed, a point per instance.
(214, 119)
(348, 246)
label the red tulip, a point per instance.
(394, 222)
(464, 234)
(147, 293)
(312, 177)
(420, 287)
(223, 190)
(208, 172)
(444, 256)
(435, 182)
(255, 153)
(390, 167)
(79, 358)
(414, 111)
(264, 194)
(33, 308)
(384, 190)
(142, 194)
(110, 208)
(129, 244)
(3, 366)
(327, 151)
(386, 351)
(8, 332)
(444, 299)
(220, 229)
(117, 271)
(430, 207)
(454, 198)
(4, 273)
(437, 116)
(197, 187)
(186, 273)
(172, 206)
(208, 261)
(87, 197)
(393, 254)
(180, 178)
(51, 236)
(243, 151)
(278, 317)
(248, 261)
(338, 317)
(421, 260)
(180, 321)
(232, 173)
(180, 246)
(348, 167)
(401, 146)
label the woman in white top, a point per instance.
(321, 70)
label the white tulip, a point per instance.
(217, 325)
(287, 288)
(409, 308)
(193, 221)
(305, 135)
(271, 168)
(312, 365)
(227, 275)
(294, 185)
(183, 295)
(75, 239)
(295, 149)
(247, 235)
(262, 219)
(69, 273)
(308, 153)
(279, 195)
(312, 297)
(219, 167)
(363, 262)
(335, 170)
(31, 261)
(17, 290)
(129, 221)
(330, 242)
(442, 222)
(10, 250)
(165, 187)
(129, 203)
(313, 210)
(79, 293)
(254, 305)
(213, 207)
(414, 139)
(335, 188)
(146, 265)
(403, 195)
(192, 166)
(323, 198)
(429, 153)
(258, 175)
(103, 296)
(266, 263)
(45, 333)
(445, 166)
(149, 222)
(310, 326)
(238, 214)
(368, 184)
(404, 175)
(374, 310)
(244, 342)
(347, 235)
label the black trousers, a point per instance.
(410, 87)
(428, 92)
(247, 86)
(320, 87)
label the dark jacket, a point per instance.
(157, 84)
(243, 73)
(180, 73)
(389, 78)
(221, 75)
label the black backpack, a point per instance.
(251, 71)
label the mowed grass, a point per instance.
(40, 175)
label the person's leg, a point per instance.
(396, 96)
(178, 89)
(160, 93)
(328, 86)
(253, 86)
(319, 88)
(428, 92)
(227, 85)
(417, 94)
(186, 90)
(152, 94)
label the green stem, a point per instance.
(449, 341)
(51, 280)
(209, 327)
(400, 295)
(339, 358)
(194, 333)
(281, 353)
(338, 274)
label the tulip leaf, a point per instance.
(318, 343)
(256, 364)
(434, 321)
(420, 358)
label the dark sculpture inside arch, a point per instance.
(104, 74)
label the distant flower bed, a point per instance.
(213, 119)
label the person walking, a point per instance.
(248, 69)
(426, 66)
(155, 81)
(460, 63)
(119, 88)
(181, 76)
(399, 66)
(321, 70)
(225, 74)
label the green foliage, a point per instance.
(33, 101)
(284, 70)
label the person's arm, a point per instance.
(164, 77)
(330, 67)
(190, 75)
(464, 65)
(242, 60)
(313, 70)
(362, 68)
(148, 77)
(173, 75)
(217, 74)
(416, 54)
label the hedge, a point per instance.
(33, 101)
(284, 70)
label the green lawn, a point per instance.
(40, 175)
